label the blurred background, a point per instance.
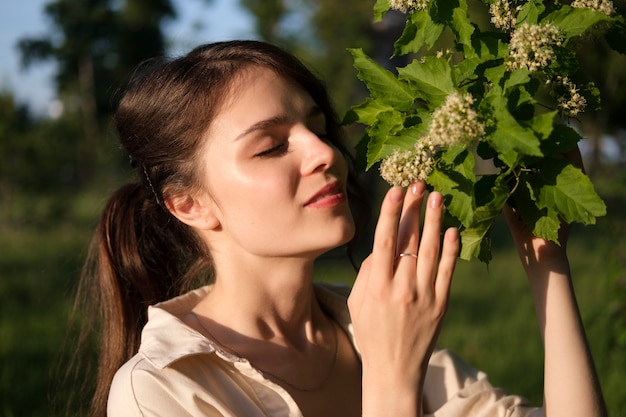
(62, 64)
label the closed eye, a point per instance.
(277, 150)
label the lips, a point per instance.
(329, 195)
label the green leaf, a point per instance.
(367, 112)
(380, 9)
(562, 139)
(516, 78)
(495, 75)
(456, 182)
(544, 223)
(475, 240)
(462, 27)
(490, 45)
(510, 138)
(574, 21)
(388, 124)
(408, 137)
(547, 226)
(419, 31)
(465, 71)
(385, 145)
(529, 13)
(382, 84)
(458, 197)
(472, 241)
(459, 157)
(431, 79)
(542, 124)
(562, 187)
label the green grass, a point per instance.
(490, 321)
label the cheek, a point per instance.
(250, 194)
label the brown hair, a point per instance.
(141, 254)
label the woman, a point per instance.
(242, 177)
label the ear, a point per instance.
(196, 212)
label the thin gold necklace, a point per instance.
(274, 376)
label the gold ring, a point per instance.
(413, 255)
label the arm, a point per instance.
(397, 303)
(571, 386)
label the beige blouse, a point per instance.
(179, 372)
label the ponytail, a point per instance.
(140, 255)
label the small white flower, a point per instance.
(402, 168)
(602, 6)
(532, 46)
(502, 15)
(406, 6)
(455, 122)
(569, 100)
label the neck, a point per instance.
(271, 301)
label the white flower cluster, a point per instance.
(402, 168)
(569, 100)
(532, 46)
(602, 6)
(406, 6)
(502, 15)
(455, 122)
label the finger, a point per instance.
(409, 228)
(430, 242)
(386, 233)
(409, 234)
(447, 264)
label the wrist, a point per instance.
(385, 395)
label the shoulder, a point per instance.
(123, 395)
(140, 388)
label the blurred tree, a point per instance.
(95, 44)
(603, 59)
(14, 122)
(34, 153)
(320, 31)
(269, 14)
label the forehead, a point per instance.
(259, 94)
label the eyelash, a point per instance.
(273, 151)
(282, 148)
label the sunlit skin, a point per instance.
(274, 200)
(277, 187)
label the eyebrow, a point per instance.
(263, 124)
(275, 121)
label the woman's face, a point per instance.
(277, 186)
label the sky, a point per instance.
(196, 23)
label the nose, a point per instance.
(319, 155)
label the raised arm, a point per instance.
(398, 302)
(571, 385)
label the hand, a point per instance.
(398, 303)
(533, 250)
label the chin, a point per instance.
(345, 236)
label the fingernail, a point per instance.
(418, 188)
(436, 199)
(396, 194)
